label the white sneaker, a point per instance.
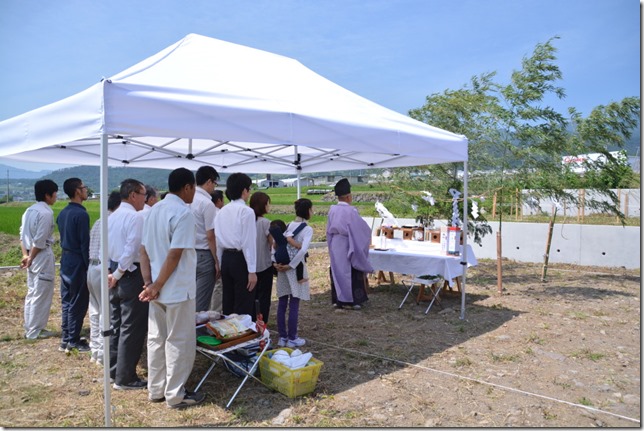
(298, 342)
(282, 342)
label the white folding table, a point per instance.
(419, 258)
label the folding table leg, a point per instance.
(248, 374)
(411, 286)
(205, 376)
(436, 293)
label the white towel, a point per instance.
(295, 360)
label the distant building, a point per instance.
(268, 183)
(330, 180)
(304, 182)
(576, 163)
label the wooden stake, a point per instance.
(499, 264)
(546, 257)
(494, 206)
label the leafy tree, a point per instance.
(517, 142)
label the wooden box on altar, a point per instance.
(388, 231)
(409, 233)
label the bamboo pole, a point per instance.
(516, 204)
(619, 199)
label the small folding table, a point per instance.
(216, 353)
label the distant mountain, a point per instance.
(91, 176)
(17, 173)
(633, 145)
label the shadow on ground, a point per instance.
(359, 346)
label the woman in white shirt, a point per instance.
(260, 202)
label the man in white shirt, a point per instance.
(36, 238)
(94, 283)
(204, 211)
(217, 293)
(217, 199)
(151, 197)
(168, 263)
(236, 247)
(129, 316)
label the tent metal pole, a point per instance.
(105, 302)
(298, 169)
(464, 253)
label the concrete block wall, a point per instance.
(588, 245)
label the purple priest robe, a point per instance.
(348, 237)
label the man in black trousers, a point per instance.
(129, 316)
(73, 225)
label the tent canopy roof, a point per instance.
(239, 109)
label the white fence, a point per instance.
(629, 204)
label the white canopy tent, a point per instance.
(205, 101)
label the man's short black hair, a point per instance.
(71, 185)
(179, 178)
(236, 184)
(206, 173)
(114, 200)
(43, 188)
(217, 195)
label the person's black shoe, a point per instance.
(189, 400)
(81, 346)
(156, 400)
(137, 384)
(62, 347)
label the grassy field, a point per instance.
(282, 200)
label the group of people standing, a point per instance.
(172, 257)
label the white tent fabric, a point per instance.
(205, 101)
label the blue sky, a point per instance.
(393, 52)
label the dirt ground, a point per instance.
(565, 353)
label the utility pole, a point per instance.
(7, 185)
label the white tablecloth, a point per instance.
(418, 258)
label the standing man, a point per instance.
(36, 238)
(73, 225)
(348, 238)
(217, 199)
(217, 293)
(168, 264)
(204, 211)
(151, 197)
(236, 247)
(94, 283)
(129, 316)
